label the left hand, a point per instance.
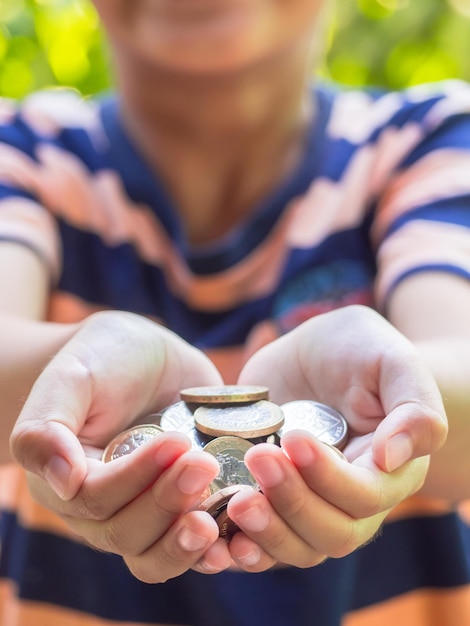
(313, 504)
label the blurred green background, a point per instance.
(391, 43)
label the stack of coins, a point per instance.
(227, 421)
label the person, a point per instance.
(224, 218)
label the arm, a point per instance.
(27, 343)
(76, 386)
(433, 311)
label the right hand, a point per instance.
(117, 368)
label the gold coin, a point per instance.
(230, 452)
(337, 451)
(216, 506)
(225, 394)
(129, 440)
(245, 420)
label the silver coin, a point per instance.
(319, 419)
(245, 420)
(129, 440)
(179, 416)
(230, 453)
(152, 418)
(225, 394)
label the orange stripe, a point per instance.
(419, 243)
(24, 220)
(68, 309)
(228, 361)
(464, 510)
(28, 613)
(440, 174)
(418, 608)
(419, 506)
(17, 168)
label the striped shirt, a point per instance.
(382, 192)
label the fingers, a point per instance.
(315, 504)
(260, 521)
(409, 431)
(247, 554)
(360, 488)
(215, 559)
(110, 486)
(180, 549)
(52, 452)
(173, 492)
(157, 492)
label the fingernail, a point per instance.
(301, 452)
(190, 541)
(251, 558)
(398, 450)
(208, 567)
(57, 475)
(167, 453)
(267, 470)
(254, 519)
(193, 480)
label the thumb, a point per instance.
(44, 439)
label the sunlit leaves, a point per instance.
(50, 42)
(392, 43)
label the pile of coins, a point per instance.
(225, 422)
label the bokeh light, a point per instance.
(389, 43)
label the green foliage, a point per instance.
(391, 43)
(396, 43)
(50, 42)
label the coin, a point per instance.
(273, 438)
(129, 440)
(225, 394)
(245, 420)
(152, 418)
(216, 505)
(230, 452)
(338, 452)
(179, 416)
(319, 419)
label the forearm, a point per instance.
(449, 360)
(432, 310)
(26, 347)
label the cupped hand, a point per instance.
(116, 369)
(314, 504)
(355, 361)
(143, 506)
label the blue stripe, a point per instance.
(453, 210)
(426, 267)
(8, 193)
(453, 133)
(419, 553)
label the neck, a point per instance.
(233, 137)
